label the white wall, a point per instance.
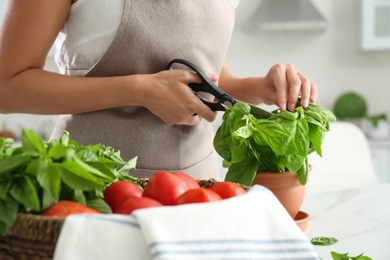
(331, 58)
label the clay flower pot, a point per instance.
(286, 188)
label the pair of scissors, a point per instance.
(223, 99)
(206, 86)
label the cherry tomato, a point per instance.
(118, 192)
(131, 204)
(198, 195)
(65, 208)
(227, 189)
(165, 187)
(191, 182)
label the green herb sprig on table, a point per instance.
(328, 241)
(279, 143)
(38, 174)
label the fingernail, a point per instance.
(304, 102)
(291, 107)
(283, 106)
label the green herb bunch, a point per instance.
(279, 143)
(37, 174)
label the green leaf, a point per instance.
(47, 199)
(243, 172)
(58, 151)
(276, 135)
(25, 192)
(320, 113)
(99, 205)
(129, 165)
(4, 188)
(303, 172)
(94, 171)
(316, 138)
(3, 229)
(338, 256)
(324, 241)
(77, 177)
(35, 166)
(32, 142)
(11, 165)
(50, 180)
(64, 139)
(9, 211)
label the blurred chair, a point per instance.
(346, 161)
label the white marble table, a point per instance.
(358, 218)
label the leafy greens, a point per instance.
(279, 143)
(38, 174)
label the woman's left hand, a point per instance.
(284, 84)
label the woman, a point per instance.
(114, 87)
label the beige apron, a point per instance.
(150, 35)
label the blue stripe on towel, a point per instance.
(261, 249)
(128, 221)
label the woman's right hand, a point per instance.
(169, 97)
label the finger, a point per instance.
(213, 77)
(191, 121)
(313, 93)
(186, 76)
(280, 84)
(294, 87)
(305, 89)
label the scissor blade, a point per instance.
(260, 113)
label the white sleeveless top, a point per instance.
(88, 32)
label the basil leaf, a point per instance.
(316, 137)
(12, 165)
(243, 172)
(50, 180)
(47, 199)
(4, 188)
(32, 142)
(77, 177)
(99, 205)
(323, 241)
(9, 211)
(58, 151)
(320, 113)
(131, 164)
(25, 192)
(93, 170)
(276, 136)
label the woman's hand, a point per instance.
(284, 85)
(169, 97)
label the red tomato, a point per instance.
(131, 204)
(191, 182)
(64, 208)
(118, 192)
(165, 187)
(227, 189)
(197, 196)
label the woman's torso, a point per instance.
(78, 46)
(148, 36)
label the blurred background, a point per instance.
(342, 46)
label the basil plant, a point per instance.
(279, 143)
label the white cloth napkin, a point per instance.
(251, 226)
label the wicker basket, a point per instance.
(34, 237)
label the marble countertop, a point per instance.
(358, 218)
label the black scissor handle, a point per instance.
(206, 86)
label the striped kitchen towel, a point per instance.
(251, 226)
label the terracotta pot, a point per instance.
(286, 188)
